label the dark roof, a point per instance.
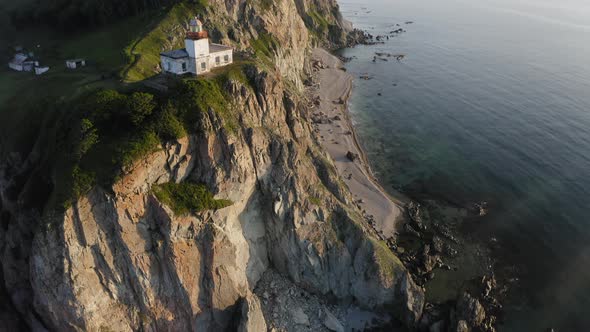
(176, 54)
(19, 58)
(213, 48)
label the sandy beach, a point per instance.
(337, 136)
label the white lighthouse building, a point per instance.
(198, 55)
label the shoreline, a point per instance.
(336, 133)
(464, 269)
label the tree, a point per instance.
(87, 137)
(167, 124)
(105, 105)
(139, 106)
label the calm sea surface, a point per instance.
(491, 103)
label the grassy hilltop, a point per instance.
(97, 120)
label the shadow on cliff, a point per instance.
(160, 273)
(253, 226)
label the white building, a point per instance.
(23, 62)
(199, 55)
(41, 70)
(75, 63)
(20, 63)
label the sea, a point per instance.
(488, 101)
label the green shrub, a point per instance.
(167, 124)
(319, 20)
(187, 197)
(195, 96)
(314, 200)
(80, 182)
(266, 4)
(238, 71)
(139, 106)
(137, 147)
(201, 95)
(88, 137)
(104, 104)
(264, 46)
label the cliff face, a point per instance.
(120, 260)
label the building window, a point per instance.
(168, 66)
(203, 65)
(226, 58)
(217, 60)
(184, 66)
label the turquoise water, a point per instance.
(491, 103)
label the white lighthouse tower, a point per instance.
(199, 55)
(196, 42)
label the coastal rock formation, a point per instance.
(122, 260)
(119, 259)
(252, 319)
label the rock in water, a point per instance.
(470, 311)
(437, 244)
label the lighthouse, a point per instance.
(199, 55)
(196, 42)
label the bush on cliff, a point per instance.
(139, 106)
(88, 137)
(192, 97)
(130, 126)
(79, 184)
(167, 125)
(185, 197)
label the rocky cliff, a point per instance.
(119, 259)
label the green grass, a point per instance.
(185, 197)
(202, 94)
(314, 200)
(319, 20)
(54, 102)
(389, 264)
(105, 47)
(237, 71)
(264, 46)
(144, 53)
(127, 49)
(266, 4)
(103, 50)
(82, 182)
(137, 147)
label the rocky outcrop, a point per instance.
(121, 260)
(118, 259)
(295, 25)
(251, 319)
